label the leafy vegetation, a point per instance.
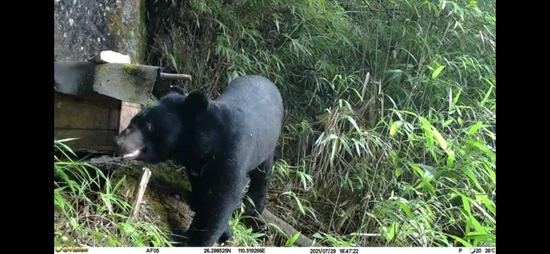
(89, 211)
(389, 136)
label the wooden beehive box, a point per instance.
(93, 118)
(95, 100)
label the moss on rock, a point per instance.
(127, 24)
(163, 201)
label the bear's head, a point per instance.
(155, 133)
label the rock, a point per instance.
(83, 28)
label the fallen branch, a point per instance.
(109, 161)
(363, 234)
(105, 159)
(288, 230)
(139, 191)
(172, 76)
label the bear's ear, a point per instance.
(196, 102)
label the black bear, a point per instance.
(220, 142)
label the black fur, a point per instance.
(219, 142)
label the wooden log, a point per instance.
(172, 76)
(288, 230)
(139, 191)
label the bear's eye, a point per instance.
(149, 126)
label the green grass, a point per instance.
(88, 211)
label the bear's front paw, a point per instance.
(226, 235)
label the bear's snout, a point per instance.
(130, 144)
(119, 141)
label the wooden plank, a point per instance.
(127, 111)
(102, 141)
(88, 112)
(114, 119)
(90, 99)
